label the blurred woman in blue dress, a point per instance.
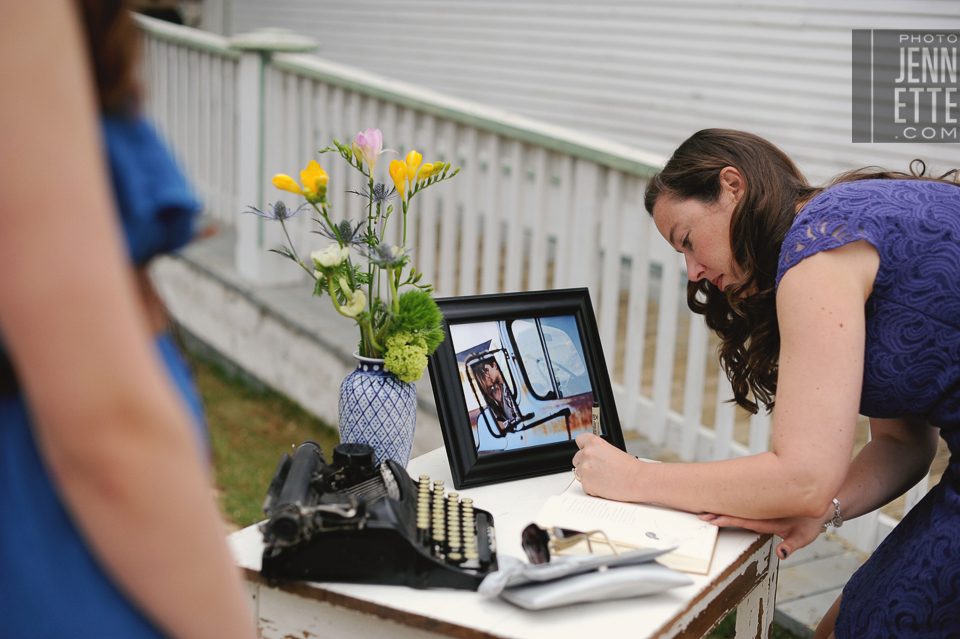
(109, 527)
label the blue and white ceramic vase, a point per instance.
(378, 409)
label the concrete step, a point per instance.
(810, 581)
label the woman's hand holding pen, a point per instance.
(606, 471)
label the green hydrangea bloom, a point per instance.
(406, 355)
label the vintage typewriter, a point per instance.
(363, 522)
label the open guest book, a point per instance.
(632, 526)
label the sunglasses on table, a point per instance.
(539, 543)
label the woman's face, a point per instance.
(702, 231)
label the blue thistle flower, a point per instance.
(380, 193)
(386, 256)
(349, 234)
(278, 211)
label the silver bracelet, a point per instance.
(837, 520)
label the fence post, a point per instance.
(255, 236)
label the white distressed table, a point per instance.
(743, 576)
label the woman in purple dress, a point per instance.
(836, 301)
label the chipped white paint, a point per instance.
(755, 614)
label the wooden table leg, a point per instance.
(755, 612)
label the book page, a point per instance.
(633, 526)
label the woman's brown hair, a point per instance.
(113, 44)
(745, 315)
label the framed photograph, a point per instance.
(517, 378)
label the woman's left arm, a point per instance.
(898, 455)
(820, 308)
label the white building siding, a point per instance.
(642, 72)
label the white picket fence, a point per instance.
(535, 207)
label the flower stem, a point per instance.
(394, 303)
(371, 230)
(323, 213)
(369, 345)
(293, 249)
(336, 233)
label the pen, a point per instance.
(596, 418)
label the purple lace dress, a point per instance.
(910, 587)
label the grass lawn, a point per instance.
(251, 428)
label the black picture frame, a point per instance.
(450, 376)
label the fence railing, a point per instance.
(535, 207)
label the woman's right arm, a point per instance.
(112, 431)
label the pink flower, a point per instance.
(371, 145)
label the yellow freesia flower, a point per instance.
(313, 178)
(286, 183)
(357, 152)
(413, 163)
(429, 170)
(398, 171)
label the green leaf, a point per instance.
(284, 251)
(359, 274)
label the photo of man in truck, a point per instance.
(525, 381)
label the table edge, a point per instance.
(312, 590)
(748, 583)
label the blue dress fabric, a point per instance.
(910, 586)
(50, 583)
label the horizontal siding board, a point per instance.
(644, 73)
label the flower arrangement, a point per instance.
(402, 328)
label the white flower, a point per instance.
(355, 306)
(331, 256)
